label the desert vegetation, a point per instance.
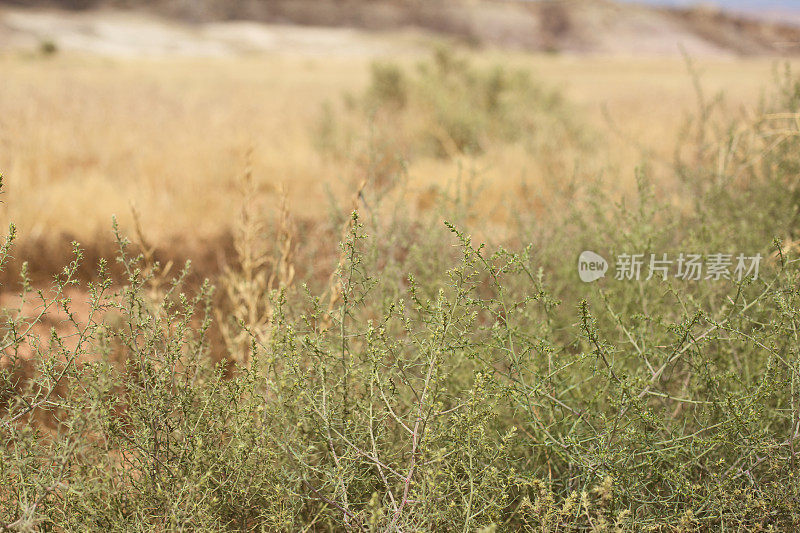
(414, 351)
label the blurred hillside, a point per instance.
(583, 26)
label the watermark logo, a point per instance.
(687, 267)
(591, 266)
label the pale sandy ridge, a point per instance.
(131, 34)
(598, 27)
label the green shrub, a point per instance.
(447, 107)
(48, 47)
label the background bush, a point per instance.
(448, 108)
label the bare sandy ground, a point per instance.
(603, 29)
(600, 27)
(641, 31)
(130, 34)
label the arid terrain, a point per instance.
(136, 111)
(582, 26)
(398, 265)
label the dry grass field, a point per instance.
(84, 138)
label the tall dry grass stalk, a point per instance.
(262, 268)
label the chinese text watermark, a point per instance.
(687, 267)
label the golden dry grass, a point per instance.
(82, 138)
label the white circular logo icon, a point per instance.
(591, 266)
